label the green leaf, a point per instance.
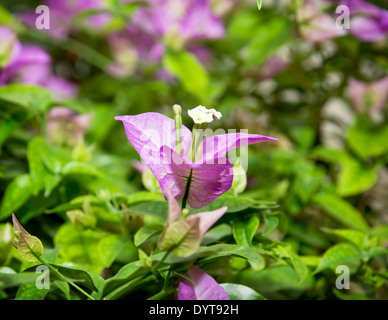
(337, 255)
(6, 247)
(91, 249)
(40, 176)
(350, 295)
(241, 292)
(244, 230)
(358, 238)
(80, 168)
(218, 251)
(300, 267)
(29, 247)
(7, 19)
(146, 232)
(17, 192)
(259, 4)
(33, 98)
(141, 196)
(270, 224)
(355, 178)
(6, 128)
(377, 251)
(154, 208)
(8, 280)
(79, 276)
(217, 233)
(276, 279)
(264, 43)
(234, 204)
(76, 203)
(64, 287)
(29, 291)
(367, 140)
(341, 210)
(187, 68)
(118, 284)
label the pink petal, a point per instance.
(174, 210)
(208, 181)
(367, 29)
(217, 146)
(150, 131)
(321, 27)
(380, 89)
(207, 219)
(204, 287)
(357, 90)
(199, 22)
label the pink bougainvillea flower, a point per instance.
(190, 19)
(199, 182)
(183, 236)
(178, 23)
(63, 14)
(368, 22)
(200, 287)
(315, 25)
(30, 64)
(369, 96)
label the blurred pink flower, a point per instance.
(190, 19)
(315, 25)
(369, 96)
(272, 67)
(30, 64)
(65, 126)
(177, 22)
(200, 287)
(63, 13)
(368, 22)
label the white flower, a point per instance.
(215, 113)
(201, 114)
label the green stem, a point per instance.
(161, 260)
(64, 278)
(183, 277)
(162, 294)
(130, 287)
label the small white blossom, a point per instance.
(215, 113)
(201, 114)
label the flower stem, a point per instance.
(178, 128)
(162, 294)
(195, 149)
(161, 260)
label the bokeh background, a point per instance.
(286, 71)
